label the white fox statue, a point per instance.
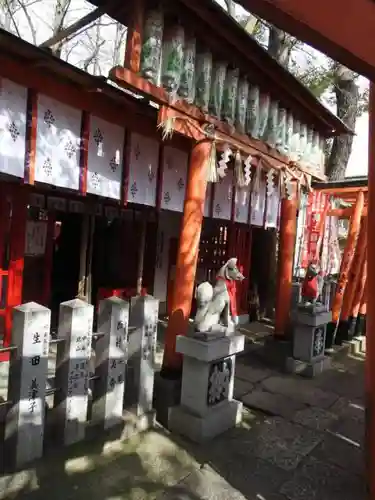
(216, 306)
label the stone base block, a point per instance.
(167, 394)
(304, 317)
(330, 330)
(352, 324)
(362, 340)
(129, 426)
(275, 352)
(309, 370)
(199, 429)
(134, 424)
(243, 319)
(342, 334)
(356, 346)
(360, 327)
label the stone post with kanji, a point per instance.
(28, 371)
(72, 370)
(111, 356)
(142, 346)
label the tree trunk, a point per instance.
(61, 9)
(280, 46)
(347, 96)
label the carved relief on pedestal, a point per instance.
(219, 379)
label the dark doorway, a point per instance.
(66, 259)
(263, 271)
(116, 253)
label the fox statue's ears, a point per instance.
(232, 262)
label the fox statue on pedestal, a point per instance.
(312, 285)
(216, 306)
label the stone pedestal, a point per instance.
(309, 342)
(296, 295)
(28, 371)
(207, 406)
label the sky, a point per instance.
(358, 160)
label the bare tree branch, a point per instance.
(29, 20)
(10, 17)
(83, 22)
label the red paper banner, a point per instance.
(317, 206)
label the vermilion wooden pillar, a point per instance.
(370, 340)
(288, 231)
(360, 302)
(347, 258)
(360, 327)
(354, 278)
(134, 36)
(19, 198)
(187, 256)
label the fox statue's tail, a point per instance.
(204, 293)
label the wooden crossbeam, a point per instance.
(342, 191)
(78, 25)
(73, 28)
(344, 213)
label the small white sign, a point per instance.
(56, 204)
(36, 235)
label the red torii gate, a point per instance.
(343, 31)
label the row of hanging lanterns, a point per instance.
(187, 70)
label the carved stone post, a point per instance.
(72, 369)
(24, 428)
(111, 357)
(142, 345)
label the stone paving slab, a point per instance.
(350, 429)
(204, 484)
(316, 480)
(315, 418)
(255, 478)
(300, 390)
(264, 458)
(345, 454)
(346, 384)
(137, 469)
(282, 443)
(347, 408)
(273, 404)
(253, 374)
(241, 387)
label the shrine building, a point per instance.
(196, 150)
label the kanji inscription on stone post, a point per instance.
(28, 371)
(72, 369)
(142, 345)
(111, 357)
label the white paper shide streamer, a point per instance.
(225, 157)
(247, 171)
(270, 182)
(238, 171)
(212, 174)
(287, 189)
